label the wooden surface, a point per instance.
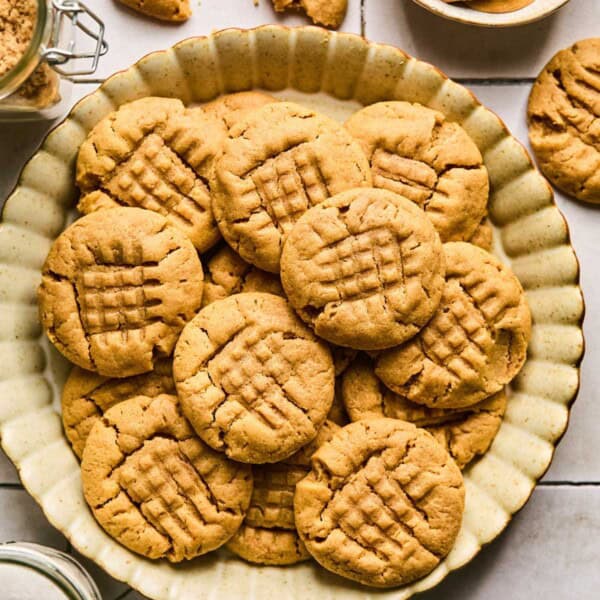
(550, 550)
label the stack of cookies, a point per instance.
(289, 335)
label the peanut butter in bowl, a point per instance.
(496, 6)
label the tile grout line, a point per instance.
(123, 594)
(363, 18)
(568, 484)
(9, 485)
(494, 80)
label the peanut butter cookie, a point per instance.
(154, 153)
(254, 382)
(330, 13)
(155, 487)
(564, 120)
(414, 151)
(87, 396)
(278, 162)
(232, 108)
(165, 10)
(475, 343)
(117, 288)
(465, 433)
(337, 412)
(365, 269)
(227, 273)
(483, 236)
(268, 535)
(382, 504)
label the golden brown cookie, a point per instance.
(228, 273)
(154, 153)
(465, 433)
(86, 396)
(475, 343)
(254, 382)
(232, 108)
(483, 236)
(365, 269)
(330, 13)
(337, 412)
(564, 120)
(155, 487)
(268, 534)
(414, 151)
(165, 10)
(382, 504)
(117, 288)
(342, 357)
(279, 161)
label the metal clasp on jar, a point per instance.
(57, 56)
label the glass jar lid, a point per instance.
(31, 572)
(52, 43)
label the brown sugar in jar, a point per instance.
(38, 59)
(18, 20)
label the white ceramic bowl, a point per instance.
(336, 73)
(535, 11)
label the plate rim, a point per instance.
(272, 27)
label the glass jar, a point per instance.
(35, 572)
(39, 85)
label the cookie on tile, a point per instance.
(382, 505)
(414, 151)
(278, 162)
(155, 487)
(227, 273)
(476, 341)
(154, 153)
(465, 433)
(330, 13)
(232, 108)
(165, 10)
(268, 534)
(365, 269)
(253, 380)
(86, 396)
(117, 288)
(564, 120)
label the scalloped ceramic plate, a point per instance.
(335, 73)
(535, 11)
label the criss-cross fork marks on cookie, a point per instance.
(374, 515)
(272, 504)
(254, 371)
(172, 496)
(113, 298)
(360, 265)
(289, 184)
(457, 337)
(405, 176)
(156, 178)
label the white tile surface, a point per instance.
(22, 520)
(131, 37)
(8, 473)
(465, 51)
(110, 588)
(578, 455)
(549, 552)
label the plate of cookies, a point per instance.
(284, 309)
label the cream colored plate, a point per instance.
(535, 11)
(336, 73)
